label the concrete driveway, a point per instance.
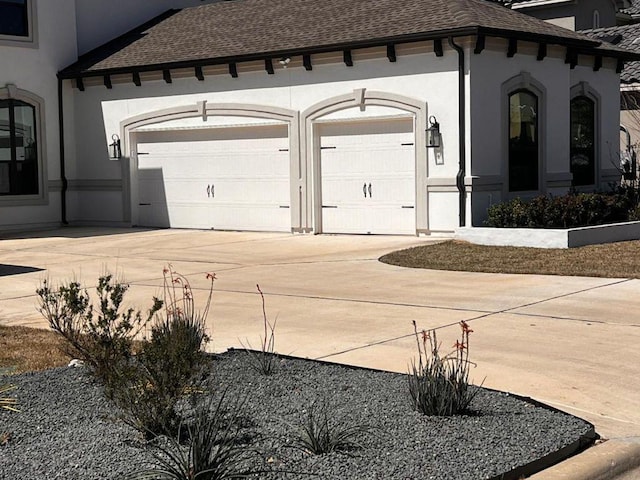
(571, 342)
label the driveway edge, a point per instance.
(605, 461)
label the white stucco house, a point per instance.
(366, 116)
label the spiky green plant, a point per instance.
(215, 448)
(439, 385)
(323, 431)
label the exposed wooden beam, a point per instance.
(348, 59)
(437, 47)
(542, 51)
(391, 52)
(597, 63)
(268, 65)
(233, 70)
(306, 61)
(107, 82)
(512, 49)
(619, 65)
(571, 57)
(199, 73)
(166, 74)
(480, 39)
(80, 84)
(136, 79)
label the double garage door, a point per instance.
(226, 178)
(238, 178)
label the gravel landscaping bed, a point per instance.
(66, 429)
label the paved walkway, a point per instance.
(571, 342)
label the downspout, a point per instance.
(462, 195)
(63, 178)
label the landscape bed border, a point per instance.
(550, 237)
(582, 443)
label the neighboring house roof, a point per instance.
(634, 9)
(254, 29)
(623, 36)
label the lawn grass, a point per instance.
(612, 260)
(24, 349)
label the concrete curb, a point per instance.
(605, 461)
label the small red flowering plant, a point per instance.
(439, 385)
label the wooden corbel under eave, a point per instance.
(268, 66)
(571, 58)
(348, 58)
(542, 51)
(597, 63)
(306, 61)
(437, 47)
(512, 49)
(391, 53)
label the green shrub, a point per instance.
(566, 211)
(171, 364)
(440, 385)
(102, 337)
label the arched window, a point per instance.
(596, 19)
(583, 159)
(523, 159)
(22, 164)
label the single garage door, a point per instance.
(224, 178)
(368, 177)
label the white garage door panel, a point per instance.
(236, 179)
(368, 177)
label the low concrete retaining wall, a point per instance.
(550, 238)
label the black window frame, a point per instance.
(19, 7)
(580, 149)
(516, 164)
(23, 173)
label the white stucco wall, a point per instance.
(421, 76)
(489, 123)
(33, 68)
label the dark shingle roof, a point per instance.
(623, 36)
(246, 29)
(634, 9)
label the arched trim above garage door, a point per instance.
(204, 109)
(361, 98)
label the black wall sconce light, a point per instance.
(433, 133)
(115, 150)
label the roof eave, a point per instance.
(582, 46)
